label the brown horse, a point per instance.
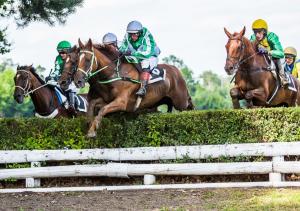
(253, 81)
(119, 95)
(44, 98)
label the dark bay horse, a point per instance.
(44, 98)
(253, 82)
(119, 95)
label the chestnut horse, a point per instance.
(44, 98)
(253, 81)
(119, 95)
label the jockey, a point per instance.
(139, 43)
(292, 65)
(110, 39)
(268, 43)
(63, 48)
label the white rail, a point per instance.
(275, 168)
(153, 153)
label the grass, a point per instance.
(245, 199)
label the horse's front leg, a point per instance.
(118, 104)
(259, 94)
(98, 102)
(236, 95)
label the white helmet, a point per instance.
(109, 38)
(134, 27)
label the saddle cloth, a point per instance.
(157, 75)
(291, 85)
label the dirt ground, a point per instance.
(102, 200)
(158, 200)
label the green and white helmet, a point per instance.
(134, 27)
(109, 38)
(63, 46)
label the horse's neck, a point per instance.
(42, 97)
(250, 58)
(103, 61)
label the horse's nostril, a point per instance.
(63, 82)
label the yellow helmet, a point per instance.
(290, 51)
(260, 24)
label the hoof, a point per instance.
(91, 134)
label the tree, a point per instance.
(208, 91)
(187, 73)
(212, 92)
(27, 11)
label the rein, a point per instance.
(89, 74)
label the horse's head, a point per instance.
(87, 62)
(23, 82)
(70, 67)
(235, 50)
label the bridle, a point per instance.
(239, 58)
(27, 89)
(88, 74)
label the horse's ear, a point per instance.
(242, 33)
(227, 33)
(74, 48)
(89, 44)
(80, 44)
(18, 67)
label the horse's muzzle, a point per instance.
(19, 98)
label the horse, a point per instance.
(253, 80)
(46, 101)
(117, 83)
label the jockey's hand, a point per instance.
(127, 53)
(262, 50)
(48, 78)
(52, 82)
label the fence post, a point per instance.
(149, 179)
(32, 182)
(275, 177)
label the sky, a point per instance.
(192, 30)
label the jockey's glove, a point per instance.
(52, 82)
(262, 50)
(127, 53)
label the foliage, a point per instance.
(208, 91)
(185, 128)
(25, 12)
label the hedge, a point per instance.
(130, 130)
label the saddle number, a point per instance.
(156, 71)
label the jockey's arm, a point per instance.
(276, 47)
(55, 74)
(147, 50)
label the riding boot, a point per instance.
(144, 82)
(282, 76)
(71, 96)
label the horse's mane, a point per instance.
(112, 55)
(33, 71)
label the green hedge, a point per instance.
(128, 130)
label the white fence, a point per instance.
(275, 168)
